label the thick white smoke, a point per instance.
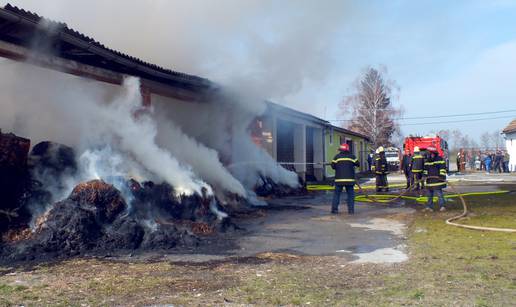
(182, 143)
(222, 124)
(205, 161)
(273, 48)
(189, 145)
(47, 105)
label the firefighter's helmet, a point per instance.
(344, 147)
(416, 149)
(379, 149)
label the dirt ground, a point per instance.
(296, 253)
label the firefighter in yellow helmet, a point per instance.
(381, 170)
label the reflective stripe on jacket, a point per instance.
(344, 165)
(435, 170)
(380, 163)
(418, 163)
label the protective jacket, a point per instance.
(406, 164)
(380, 165)
(435, 171)
(344, 164)
(418, 163)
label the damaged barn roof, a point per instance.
(23, 28)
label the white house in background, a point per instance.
(510, 139)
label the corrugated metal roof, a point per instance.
(511, 127)
(277, 107)
(89, 44)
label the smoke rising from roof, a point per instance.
(99, 120)
(270, 48)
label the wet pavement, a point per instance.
(314, 231)
(304, 226)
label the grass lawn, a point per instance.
(447, 266)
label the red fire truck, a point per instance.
(424, 142)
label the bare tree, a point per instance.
(457, 139)
(497, 140)
(485, 140)
(445, 134)
(371, 107)
(465, 141)
(474, 144)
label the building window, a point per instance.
(331, 135)
(351, 146)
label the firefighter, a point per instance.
(381, 170)
(435, 173)
(344, 164)
(406, 166)
(418, 163)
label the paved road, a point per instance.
(373, 231)
(304, 226)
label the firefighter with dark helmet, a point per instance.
(418, 164)
(381, 170)
(344, 164)
(435, 173)
(406, 167)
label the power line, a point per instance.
(457, 121)
(437, 116)
(459, 115)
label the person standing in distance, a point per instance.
(406, 167)
(381, 170)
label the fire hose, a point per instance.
(465, 213)
(388, 198)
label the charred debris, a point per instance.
(97, 217)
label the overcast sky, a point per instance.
(447, 57)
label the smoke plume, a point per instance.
(273, 49)
(42, 104)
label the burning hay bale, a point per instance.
(99, 197)
(95, 218)
(50, 165)
(13, 177)
(52, 160)
(99, 217)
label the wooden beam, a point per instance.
(22, 54)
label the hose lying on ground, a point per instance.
(465, 213)
(388, 198)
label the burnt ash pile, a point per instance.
(95, 219)
(14, 178)
(99, 217)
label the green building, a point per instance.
(359, 144)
